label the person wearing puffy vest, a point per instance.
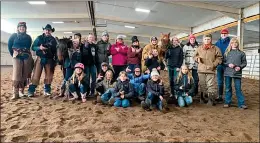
(222, 44)
(188, 53)
(19, 45)
(46, 51)
(234, 61)
(103, 47)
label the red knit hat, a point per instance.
(224, 31)
(192, 36)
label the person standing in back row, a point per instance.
(119, 55)
(103, 47)
(89, 58)
(222, 43)
(174, 57)
(19, 48)
(134, 55)
(208, 57)
(188, 53)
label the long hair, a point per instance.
(79, 77)
(233, 40)
(181, 74)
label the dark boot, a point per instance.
(111, 101)
(145, 106)
(202, 99)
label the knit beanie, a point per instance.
(105, 33)
(135, 39)
(154, 72)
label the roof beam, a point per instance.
(45, 15)
(158, 25)
(206, 6)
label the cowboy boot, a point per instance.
(83, 97)
(211, 99)
(21, 93)
(74, 98)
(15, 93)
(202, 99)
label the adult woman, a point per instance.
(19, 48)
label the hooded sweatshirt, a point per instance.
(134, 57)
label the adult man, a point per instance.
(45, 47)
(222, 43)
(103, 47)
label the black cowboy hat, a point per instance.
(48, 26)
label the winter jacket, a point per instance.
(222, 44)
(238, 58)
(106, 84)
(153, 63)
(145, 53)
(119, 58)
(174, 56)
(137, 81)
(89, 54)
(19, 41)
(188, 54)
(134, 57)
(73, 59)
(48, 42)
(103, 51)
(186, 87)
(126, 87)
(154, 88)
(210, 58)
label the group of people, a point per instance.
(135, 71)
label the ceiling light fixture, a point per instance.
(67, 32)
(142, 10)
(126, 26)
(57, 22)
(37, 2)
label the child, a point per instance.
(78, 82)
(104, 87)
(184, 86)
(134, 54)
(208, 56)
(174, 57)
(74, 57)
(123, 91)
(104, 68)
(155, 93)
(137, 80)
(153, 61)
(235, 61)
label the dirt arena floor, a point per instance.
(47, 120)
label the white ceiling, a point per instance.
(164, 17)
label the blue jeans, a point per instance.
(239, 94)
(68, 74)
(132, 67)
(140, 90)
(220, 79)
(47, 88)
(91, 71)
(108, 95)
(172, 77)
(196, 80)
(122, 103)
(152, 99)
(74, 88)
(183, 99)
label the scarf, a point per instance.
(207, 46)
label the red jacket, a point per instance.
(134, 57)
(119, 58)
